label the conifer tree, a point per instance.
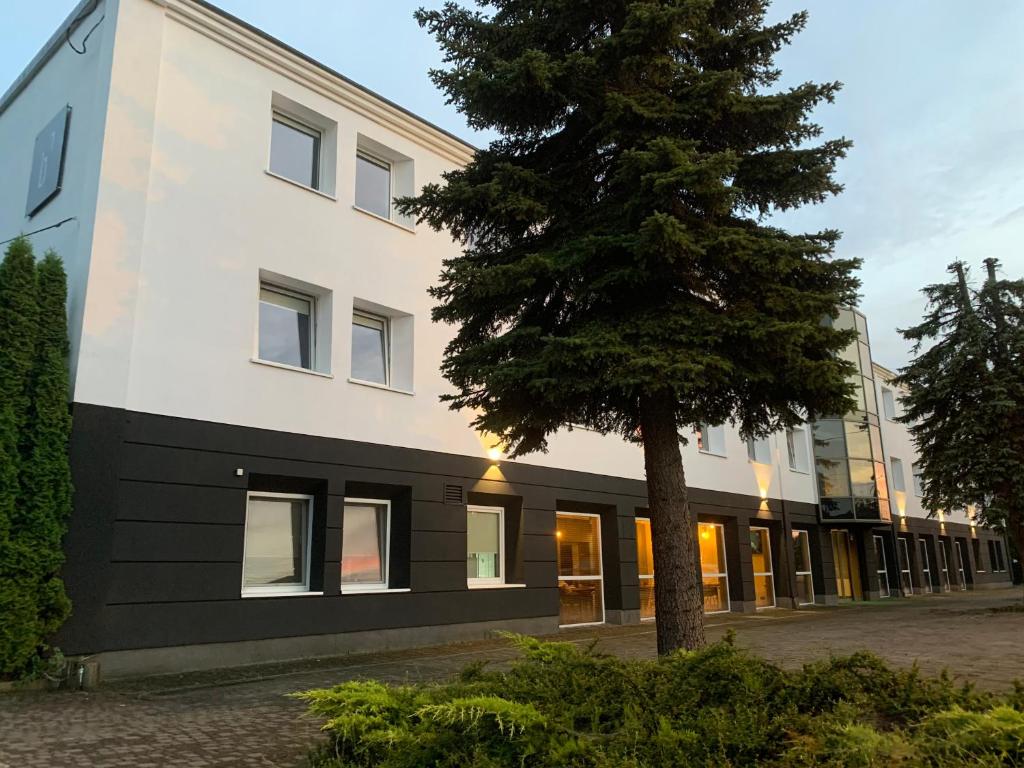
(617, 269)
(965, 398)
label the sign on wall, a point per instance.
(48, 162)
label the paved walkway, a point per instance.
(241, 717)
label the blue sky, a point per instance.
(933, 100)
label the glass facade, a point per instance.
(848, 457)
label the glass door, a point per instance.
(761, 557)
(961, 568)
(645, 567)
(903, 558)
(711, 539)
(944, 563)
(926, 566)
(802, 567)
(883, 570)
(580, 581)
(847, 565)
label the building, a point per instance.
(262, 467)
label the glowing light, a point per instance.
(705, 534)
(558, 534)
(494, 454)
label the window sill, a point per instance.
(300, 185)
(286, 367)
(385, 387)
(495, 586)
(799, 471)
(247, 595)
(373, 590)
(711, 453)
(386, 220)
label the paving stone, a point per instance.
(242, 717)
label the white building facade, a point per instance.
(263, 469)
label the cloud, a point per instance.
(1006, 218)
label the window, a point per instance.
(944, 564)
(713, 570)
(796, 449)
(370, 354)
(711, 439)
(277, 534)
(761, 557)
(759, 450)
(802, 568)
(903, 560)
(373, 184)
(880, 565)
(295, 151)
(645, 567)
(1000, 561)
(485, 545)
(287, 331)
(918, 479)
(976, 548)
(896, 470)
(888, 404)
(580, 580)
(365, 532)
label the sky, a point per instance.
(933, 100)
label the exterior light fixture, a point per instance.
(494, 454)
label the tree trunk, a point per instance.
(678, 596)
(1015, 529)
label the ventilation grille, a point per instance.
(453, 495)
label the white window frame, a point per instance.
(759, 450)
(273, 287)
(704, 440)
(369, 586)
(284, 589)
(797, 438)
(944, 565)
(385, 322)
(915, 475)
(899, 481)
(720, 539)
(771, 566)
(882, 568)
(805, 538)
(903, 564)
(642, 521)
(599, 578)
(926, 567)
(301, 126)
(381, 162)
(961, 569)
(477, 583)
(889, 404)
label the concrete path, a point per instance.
(242, 718)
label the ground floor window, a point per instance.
(711, 539)
(365, 528)
(761, 557)
(802, 568)
(580, 581)
(961, 565)
(277, 534)
(995, 556)
(645, 567)
(903, 556)
(926, 566)
(944, 563)
(881, 566)
(485, 545)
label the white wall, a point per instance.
(81, 81)
(187, 218)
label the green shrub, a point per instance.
(562, 706)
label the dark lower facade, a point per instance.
(169, 569)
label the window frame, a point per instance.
(719, 534)
(380, 162)
(368, 586)
(704, 440)
(296, 124)
(755, 446)
(640, 522)
(926, 567)
(488, 581)
(599, 578)
(882, 568)
(281, 590)
(804, 537)
(889, 404)
(899, 480)
(771, 565)
(915, 479)
(385, 329)
(799, 450)
(273, 287)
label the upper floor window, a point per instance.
(896, 470)
(796, 449)
(287, 326)
(915, 470)
(711, 439)
(373, 184)
(759, 450)
(364, 544)
(295, 151)
(888, 403)
(370, 347)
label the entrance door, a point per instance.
(764, 579)
(847, 565)
(580, 581)
(926, 566)
(903, 556)
(883, 570)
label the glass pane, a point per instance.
(868, 509)
(579, 552)
(801, 551)
(644, 548)
(712, 549)
(285, 329)
(373, 186)
(862, 477)
(764, 591)
(870, 403)
(294, 154)
(580, 602)
(833, 477)
(862, 325)
(364, 532)
(369, 361)
(876, 442)
(881, 486)
(865, 359)
(760, 550)
(275, 542)
(646, 598)
(828, 439)
(837, 509)
(858, 442)
(844, 320)
(804, 589)
(483, 545)
(716, 594)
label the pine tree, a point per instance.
(617, 270)
(18, 312)
(965, 401)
